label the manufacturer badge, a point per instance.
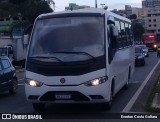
(62, 80)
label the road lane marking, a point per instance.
(135, 82)
(134, 98)
(21, 84)
(20, 79)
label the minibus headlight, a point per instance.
(96, 81)
(33, 83)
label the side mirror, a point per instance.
(115, 30)
(25, 39)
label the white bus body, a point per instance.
(81, 56)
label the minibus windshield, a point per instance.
(67, 35)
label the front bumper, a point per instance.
(78, 94)
(139, 61)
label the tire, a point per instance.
(38, 106)
(143, 64)
(14, 87)
(125, 87)
(108, 105)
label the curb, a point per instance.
(142, 102)
(132, 101)
(156, 102)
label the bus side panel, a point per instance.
(119, 68)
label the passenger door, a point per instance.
(115, 56)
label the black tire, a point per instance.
(108, 105)
(147, 55)
(105, 106)
(38, 106)
(14, 87)
(125, 87)
(143, 64)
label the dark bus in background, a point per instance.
(150, 40)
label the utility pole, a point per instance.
(95, 3)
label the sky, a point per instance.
(112, 4)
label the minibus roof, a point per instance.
(99, 11)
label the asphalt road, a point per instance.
(17, 103)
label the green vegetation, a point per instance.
(25, 10)
(7, 10)
(28, 9)
(133, 16)
(138, 30)
(155, 89)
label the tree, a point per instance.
(26, 10)
(17, 1)
(6, 10)
(138, 30)
(30, 9)
(133, 16)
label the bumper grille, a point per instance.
(75, 96)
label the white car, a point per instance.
(144, 48)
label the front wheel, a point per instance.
(125, 87)
(38, 106)
(143, 64)
(107, 105)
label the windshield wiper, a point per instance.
(44, 57)
(83, 53)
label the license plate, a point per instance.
(62, 96)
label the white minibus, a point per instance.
(79, 56)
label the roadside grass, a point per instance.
(155, 89)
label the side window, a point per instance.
(123, 34)
(119, 43)
(127, 34)
(112, 40)
(5, 63)
(130, 35)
